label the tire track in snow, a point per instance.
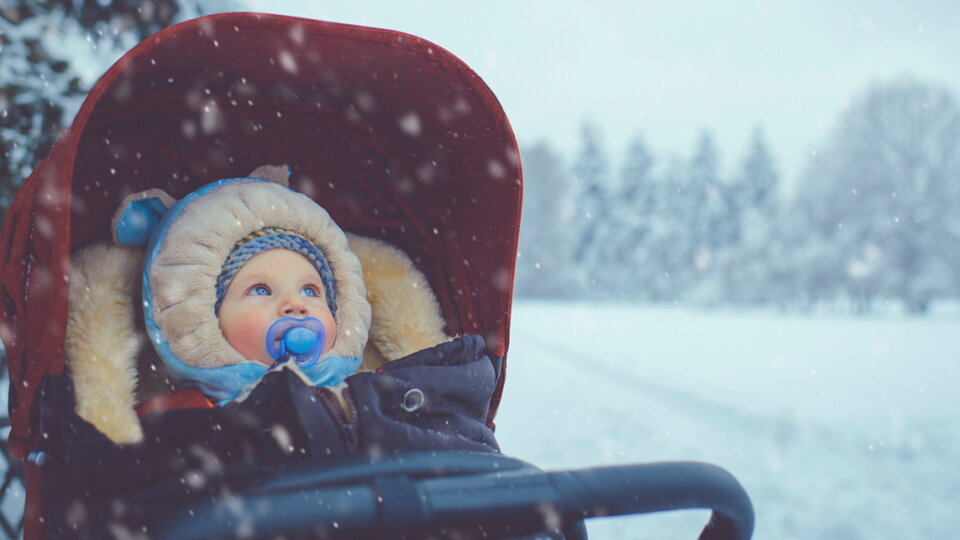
(791, 465)
(722, 416)
(633, 384)
(838, 442)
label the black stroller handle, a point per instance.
(640, 489)
(598, 492)
(512, 502)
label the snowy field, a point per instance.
(838, 428)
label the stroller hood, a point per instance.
(395, 137)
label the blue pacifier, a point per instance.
(300, 339)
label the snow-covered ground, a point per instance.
(837, 427)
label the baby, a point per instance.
(231, 270)
(258, 309)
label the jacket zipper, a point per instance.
(345, 419)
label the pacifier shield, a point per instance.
(300, 339)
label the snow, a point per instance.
(410, 123)
(836, 427)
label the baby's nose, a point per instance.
(294, 306)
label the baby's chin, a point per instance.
(263, 360)
(261, 357)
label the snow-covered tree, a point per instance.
(707, 215)
(591, 201)
(41, 86)
(671, 246)
(753, 202)
(885, 192)
(544, 266)
(628, 249)
(757, 190)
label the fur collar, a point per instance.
(105, 356)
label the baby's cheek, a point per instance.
(330, 325)
(246, 335)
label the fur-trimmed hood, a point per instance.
(178, 294)
(185, 253)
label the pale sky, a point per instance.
(669, 68)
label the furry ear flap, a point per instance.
(279, 174)
(138, 215)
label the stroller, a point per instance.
(400, 141)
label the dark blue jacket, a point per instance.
(435, 399)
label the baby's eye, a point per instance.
(309, 290)
(260, 290)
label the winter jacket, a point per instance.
(435, 399)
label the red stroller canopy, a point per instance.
(394, 136)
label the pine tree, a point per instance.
(672, 245)
(759, 179)
(628, 249)
(705, 214)
(753, 197)
(40, 89)
(544, 264)
(592, 207)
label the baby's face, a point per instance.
(274, 284)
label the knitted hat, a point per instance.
(273, 238)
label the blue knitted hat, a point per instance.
(273, 238)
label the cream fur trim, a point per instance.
(406, 314)
(184, 273)
(101, 343)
